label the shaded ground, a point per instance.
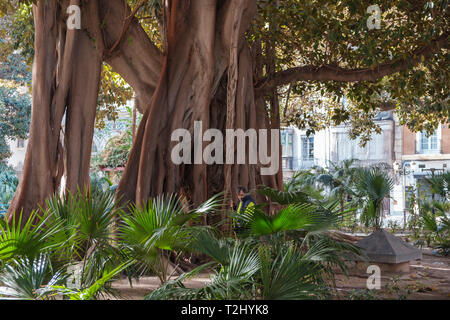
(428, 278)
(148, 284)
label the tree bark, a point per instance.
(335, 73)
(65, 83)
(136, 58)
(194, 86)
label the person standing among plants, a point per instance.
(245, 200)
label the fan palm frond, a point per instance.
(232, 281)
(288, 276)
(28, 238)
(24, 278)
(374, 185)
(308, 216)
(284, 197)
(95, 289)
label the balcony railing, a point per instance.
(293, 163)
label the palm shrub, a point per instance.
(304, 181)
(89, 293)
(88, 220)
(151, 233)
(306, 221)
(339, 180)
(434, 217)
(234, 263)
(29, 279)
(305, 224)
(251, 270)
(373, 185)
(29, 239)
(79, 230)
(439, 184)
(34, 279)
(288, 255)
(73, 231)
(290, 274)
(285, 256)
(300, 211)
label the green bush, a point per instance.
(8, 183)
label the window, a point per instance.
(307, 148)
(20, 143)
(287, 149)
(287, 163)
(428, 143)
(286, 143)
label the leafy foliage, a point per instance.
(24, 279)
(249, 270)
(335, 33)
(116, 152)
(158, 226)
(283, 257)
(91, 292)
(114, 93)
(28, 239)
(8, 183)
(439, 184)
(15, 112)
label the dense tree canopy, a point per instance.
(15, 104)
(403, 65)
(329, 39)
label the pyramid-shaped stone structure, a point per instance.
(382, 246)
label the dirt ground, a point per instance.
(147, 284)
(428, 278)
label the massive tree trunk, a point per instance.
(207, 74)
(65, 83)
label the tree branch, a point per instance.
(126, 25)
(333, 73)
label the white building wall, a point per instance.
(17, 155)
(334, 144)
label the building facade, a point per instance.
(18, 148)
(424, 155)
(410, 156)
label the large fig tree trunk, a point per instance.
(207, 73)
(207, 76)
(65, 83)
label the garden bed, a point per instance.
(427, 279)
